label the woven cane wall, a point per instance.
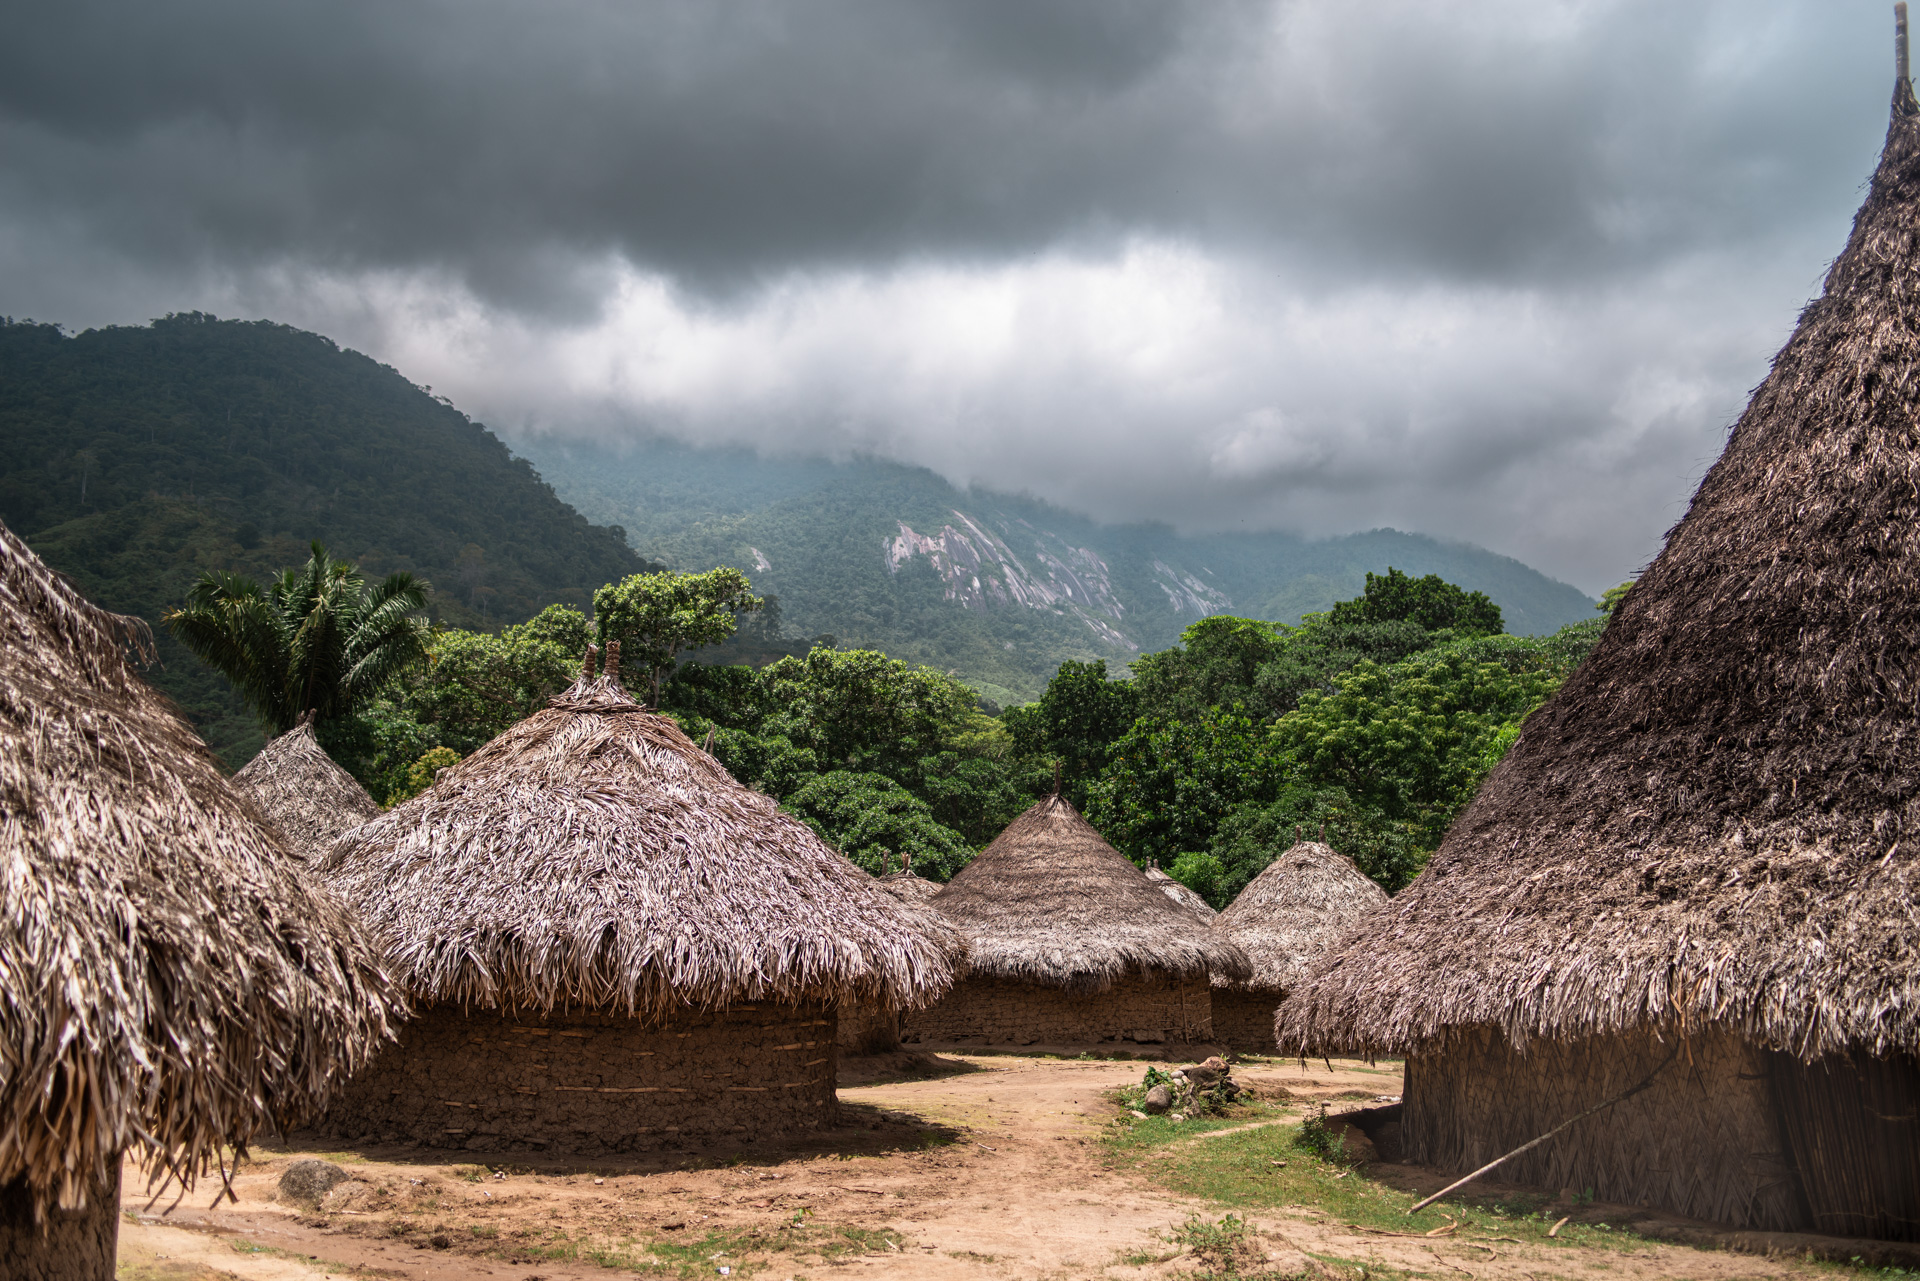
(1703, 1140)
(1147, 1010)
(588, 1083)
(1852, 1123)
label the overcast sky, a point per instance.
(1502, 271)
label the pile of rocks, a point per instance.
(1185, 1086)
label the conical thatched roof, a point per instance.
(1181, 894)
(168, 983)
(909, 887)
(1050, 902)
(593, 856)
(1293, 913)
(311, 800)
(1718, 816)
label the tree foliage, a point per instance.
(1432, 602)
(658, 616)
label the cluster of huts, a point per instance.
(1690, 894)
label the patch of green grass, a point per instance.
(745, 1251)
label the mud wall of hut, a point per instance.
(488, 1081)
(868, 1029)
(1702, 1140)
(1147, 1010)
(1243, 1020)
(72, 1243)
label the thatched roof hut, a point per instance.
(168, 984)
(1705, 849)
(592, 874)
(1071, 943)
(1182, 895)
(909, 886)
(1286, 919)
(309, 798)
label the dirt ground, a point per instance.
(945, 1167)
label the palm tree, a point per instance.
(314, 639)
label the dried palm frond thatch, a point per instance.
(1294, 911)
(168, 983)
(909, 887)
(310, 799)
(1181, 895)
(1050, 902)
(593, 857)
(1717, 818)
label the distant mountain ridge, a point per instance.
(996, 588)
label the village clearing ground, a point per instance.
(956, 1167)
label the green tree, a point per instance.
(1171, 782)
(1432, 602)
(1611, 598)
(1076, 722)
(657, 617)
(313, 639)
(474, 686)
(1216, 664)
(1252, 836)
(873, 820)
(860, 710)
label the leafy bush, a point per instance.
(1323, 1140)
(873, 820)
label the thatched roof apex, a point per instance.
(309, 798)
(593, 856)
(1181, 895)
(168, 982)
(1717, 818)
(909, 886)
(1050, 902)
(1294, 911)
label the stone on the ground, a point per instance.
(1205, 1074)
(1159, 1099)
(309, 1179)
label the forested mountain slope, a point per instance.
(134, 458)
(995, 588)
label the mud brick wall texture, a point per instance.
(1145, 1009)
(575, 1082)
(1243, 1020)
(868, 1029)
(69, 1245)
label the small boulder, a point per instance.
(1206, 1073)
(1159, 1099)
(307, 1180)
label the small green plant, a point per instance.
(1321, 1139)
(469, 1173)
(1225, 1251)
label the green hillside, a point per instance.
(134, 458)
(996, 589)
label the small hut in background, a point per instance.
(612, 945)
(309, 798)
(906, 885)
(1689, 888)
(1070, 943)
(1286, 919)
(1182, 895)
(872, 1029)
(168, 985)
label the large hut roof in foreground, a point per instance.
(1181, 895)
(1050, 902)
(168, 982)
(310, 799)
(593, 856)
(1291, 914)
(1718, 816)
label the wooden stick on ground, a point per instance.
(1621, 1097)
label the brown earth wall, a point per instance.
(69, 1246)
(868, 1029)
(586, 1083)
(1147, 1010)
(1243, 1020)
(1702, 1140)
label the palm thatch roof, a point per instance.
(309, 798)
(593, 856)
(909, 887)
(1291, 914)
(1181, 894)
(168, 983)
(1050, 902)
(1718, 816)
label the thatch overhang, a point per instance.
(593, 857)
(1717, 818)
(169, 983)
(1181, 895)
(1052, 903)
(1293, 913)
(304, 793)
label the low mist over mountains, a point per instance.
(995, 588)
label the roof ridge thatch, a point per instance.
(303, 792)
(909, 886)
(593, 856)
(1051, 902)
(1290, 915)
(1181, 895)
(168, 982)
(1717, 818)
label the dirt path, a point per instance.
(994, 1170)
